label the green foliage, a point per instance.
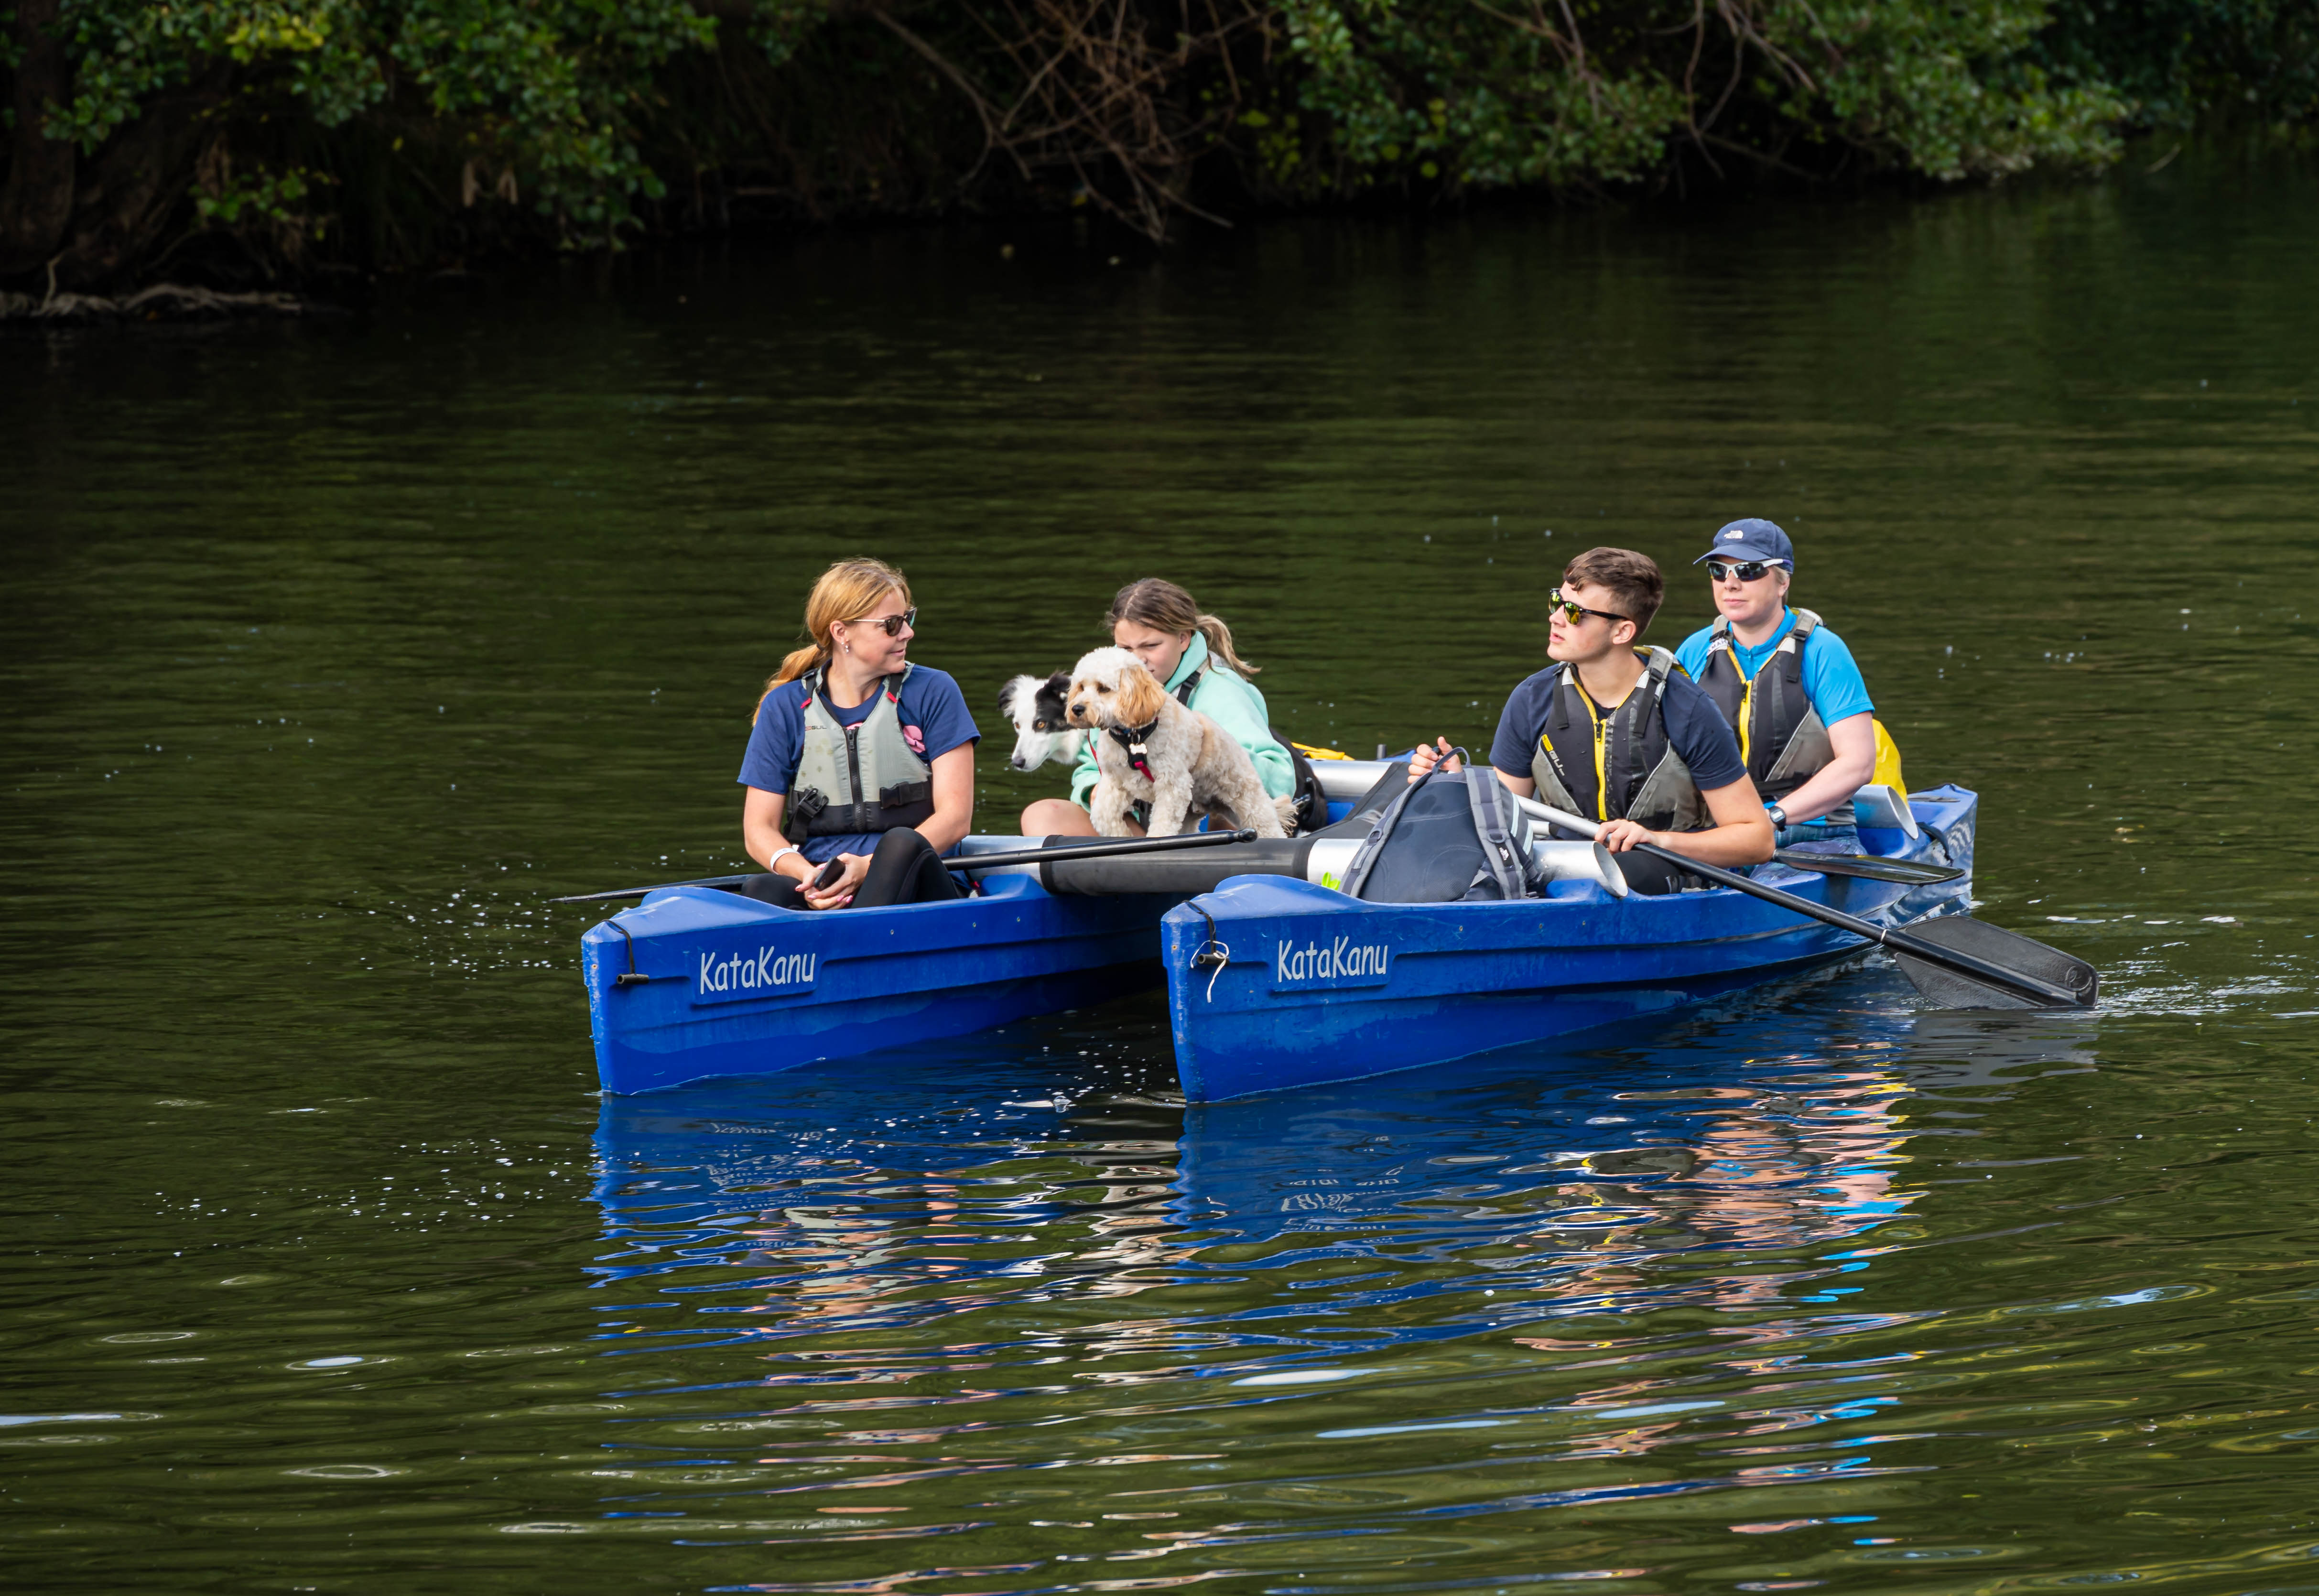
(548, 89)
(1491, 95)
(1933, 88)
(277, 197)
(2178, 59)
(1450, 90)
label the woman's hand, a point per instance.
(840, 892)
(1423, 760)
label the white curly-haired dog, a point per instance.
(1151, 749)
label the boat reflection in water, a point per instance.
(980, 1265)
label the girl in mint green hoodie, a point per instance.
(1192, 655)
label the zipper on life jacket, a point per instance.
(1746, 720)
(1601, 750)
(853, 762)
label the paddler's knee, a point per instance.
(1051, 817)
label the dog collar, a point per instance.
(1136, 740)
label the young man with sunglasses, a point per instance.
(1620, 735)
(1785, 684)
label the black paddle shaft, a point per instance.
(1190, 839)
(2045, 993)
(1197, 839)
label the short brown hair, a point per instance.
(1635, 586)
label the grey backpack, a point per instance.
(1451, 837)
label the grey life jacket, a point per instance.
(1781, 735)
(1451, 837)
(1622, 766)
(858, 779)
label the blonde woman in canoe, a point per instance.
(860, 772)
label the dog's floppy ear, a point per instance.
(1007, 694)
(1059, 683)
(1140, 699)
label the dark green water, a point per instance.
(329, 652)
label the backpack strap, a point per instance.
(1500, 857)
(1191, 684)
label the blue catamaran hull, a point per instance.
(1317, 987)
(733, 986)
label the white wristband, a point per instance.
(773, 864)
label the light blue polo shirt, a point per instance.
(1832, 680)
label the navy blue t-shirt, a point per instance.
(935, 720)
(1695, 728)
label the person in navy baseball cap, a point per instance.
(1751, 539)
(1787, 684)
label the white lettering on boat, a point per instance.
(766, 971)
(1340, 962)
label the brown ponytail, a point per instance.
(1166, 608)
(846, 591)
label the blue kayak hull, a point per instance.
(1321, 987)
(734, 987)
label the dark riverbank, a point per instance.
(235, 145)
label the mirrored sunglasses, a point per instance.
(1573, 612)
(1752, 570)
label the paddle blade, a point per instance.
(1992, 945)
(1908, 872)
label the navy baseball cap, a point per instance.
(1751, 540)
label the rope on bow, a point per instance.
(1203, 958)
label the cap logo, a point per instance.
(1735, 535)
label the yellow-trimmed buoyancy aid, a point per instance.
(1619, 766)
(1782, 736)
(855, 780)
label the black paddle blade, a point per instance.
(1908, 872)
(1992, 945)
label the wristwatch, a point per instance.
(1779, 817)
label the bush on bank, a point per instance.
(248, 139)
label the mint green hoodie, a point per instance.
(1229, 700)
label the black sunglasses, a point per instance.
(1753, 571)
(892, 622)
(1572, 610)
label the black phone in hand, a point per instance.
(826, 876)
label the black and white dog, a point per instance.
(1041, 734)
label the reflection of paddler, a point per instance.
(1789, 686)
(1773, 1173)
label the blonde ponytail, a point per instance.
(1166, 608)
(1219, 636)
(847, 590)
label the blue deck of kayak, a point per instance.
(1319, 987)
